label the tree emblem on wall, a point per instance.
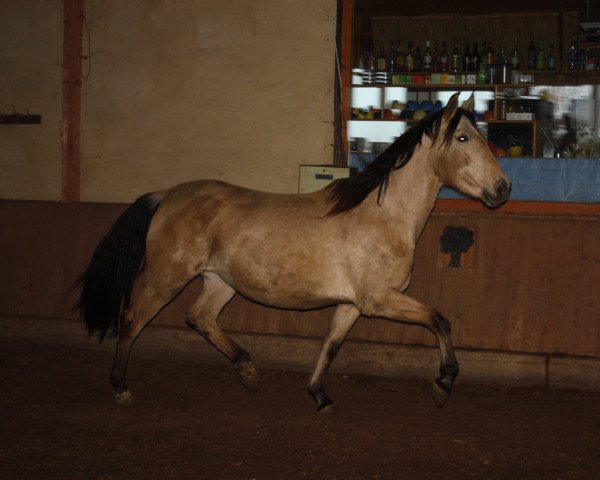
(456, 241)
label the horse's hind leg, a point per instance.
(202, 317)
(144, 307)
(343, 319)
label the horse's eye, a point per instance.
(462, 138)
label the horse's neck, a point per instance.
(412, 191)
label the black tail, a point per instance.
(107, 283)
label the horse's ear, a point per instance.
(469, 103)
(451, 107)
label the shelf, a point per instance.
(22, 119)
(412, 120)
(542, 77)
(511, 122)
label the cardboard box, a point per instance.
(316, 177)
(519, 116)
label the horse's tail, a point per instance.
(118, 259)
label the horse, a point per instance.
(349, 245)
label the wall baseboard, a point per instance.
(300, 354)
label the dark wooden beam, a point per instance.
(71, 115)
(345, 72)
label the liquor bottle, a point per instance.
(573, 54)
(466, 62)
(482, 53)
(455, 59)
(370, 61)
(409, 60)
(435, 58)
(515, 57)
(551, 62)
(427, 58)
(418, 60)
(444, 58)
(540, 58)
(503, 56)
(489, 55)
(582, 58)
(475, 58)
(482, 74)
(531, 54)
(399, 57)
(391, 63)
(381, 61)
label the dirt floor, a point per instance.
(59, 421)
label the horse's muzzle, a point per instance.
(499, 195)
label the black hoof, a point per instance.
(325, 406)
(324, 403)
(440, 392)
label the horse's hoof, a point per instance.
(325, 408)
(439, 393)
(247, 375)
(124, 398)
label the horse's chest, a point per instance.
(389, 266)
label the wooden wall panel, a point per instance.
(533, 286)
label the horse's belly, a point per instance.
(283, 287)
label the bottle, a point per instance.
(515, 56)
(582, 59)
(531, 54)
(427, 58)
(482, 53)
(418, 60)
(435, 58)
(381, 61)
(409, 60)
(551, 63)
(475, 58)
(399, 57)
(370, 61)
(548, 150)
(502, 108)
(540, 58)
(481, 75)
(466, 61)
(573, 54)
(444, 58)
(391, 63)
(503, 56)
(489, 55)
(455, 59)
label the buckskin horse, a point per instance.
(350, 244)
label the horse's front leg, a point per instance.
(402, 308)
(343, 319)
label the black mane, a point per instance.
(347, 193)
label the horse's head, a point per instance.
(465, 161)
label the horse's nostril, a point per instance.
(503, 189)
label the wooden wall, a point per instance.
(532, 285)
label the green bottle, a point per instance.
(481, 75)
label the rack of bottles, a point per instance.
(477, 63)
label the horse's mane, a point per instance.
(347, 193)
